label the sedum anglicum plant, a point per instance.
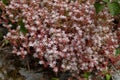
(62, 34)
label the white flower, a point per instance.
(39, 36)
(50, 51)
(107, 52)
(32, 33)
(46, 20)
(63, 66)
(11, 15)
(89, 50)
(35, 55)
(58, 34)
(51, 64)
(18, 53)
(10, 6)
(24, 45)
(15, 37)
(84, 65)
(33, 28)
(9, 34)
(65, 50)
(81, 18)
(90, 21)
(25, 5)
(31, 44)
(70, 13)
(38, 50)
(25, 52)
(53, 15)
(52, 30)
(22, 36)
(35, 17)
(80, 32)
(55, 69)
(37, 22)
(63, 17)
(91, 64)
(68, 67)
(41, 62)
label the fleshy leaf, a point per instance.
(108, 77)
(106, 1)
(114, 8)
(6, 2)
(55, 79)
(22, 27)
(86, 75)
(98, 7)
(117, 52)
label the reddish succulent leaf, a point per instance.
(114, 59)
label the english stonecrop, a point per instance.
(63, 35)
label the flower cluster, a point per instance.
(63, 34)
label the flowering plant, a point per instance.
(63, 34)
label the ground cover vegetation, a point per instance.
(65, 35)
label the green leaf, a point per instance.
(114, 8)
(6, 2)
(22, 27)
(54, 79)
(6, 41)
(106, 1)
(98, 7)
(86, 75)
(14, 25)
(117, 51)
(107, 77)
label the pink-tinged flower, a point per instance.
(55, 69)
(62, 31)
(8, 34)
(25, 6)
(31, 44)
(18, 53)
(41, 62)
